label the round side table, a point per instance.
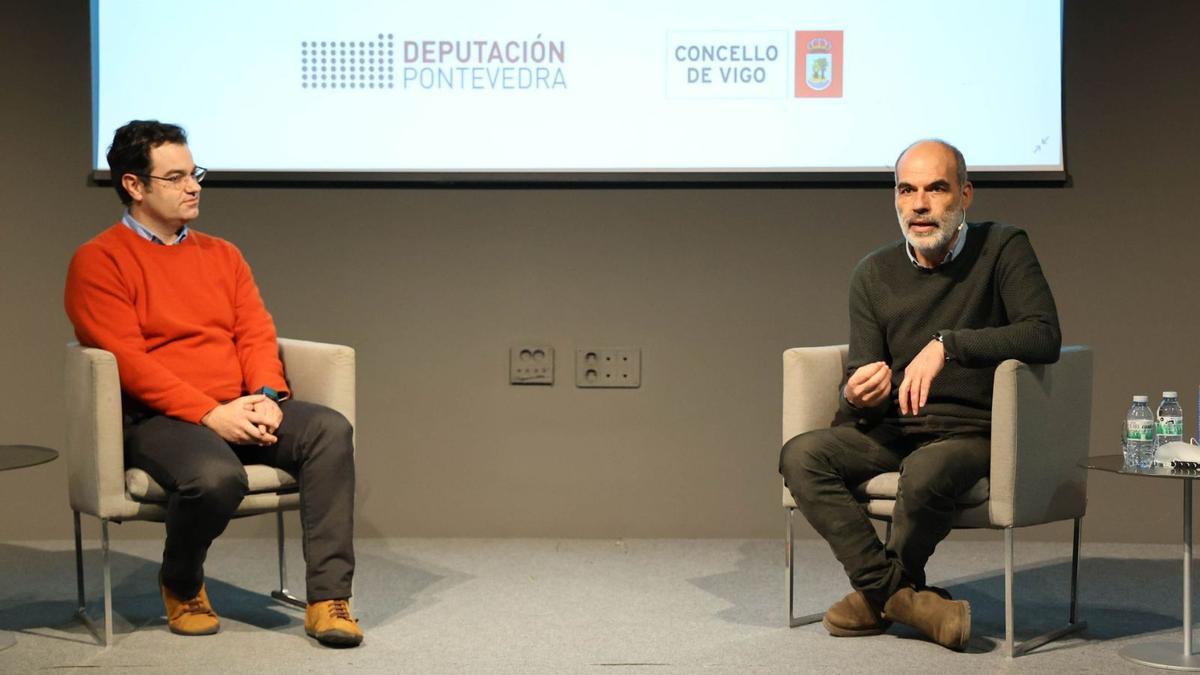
(1169, 655)
(19, 457)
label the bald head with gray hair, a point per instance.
(960, 163)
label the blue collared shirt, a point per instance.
(146, 234)
(951, 255)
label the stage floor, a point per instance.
(579, 606)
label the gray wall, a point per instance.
(433, 286)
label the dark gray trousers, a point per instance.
(205, 480)
(821, 467)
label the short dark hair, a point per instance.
(131, 146)
(960, 171)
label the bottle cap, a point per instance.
(1170, 394)
(1141, 399)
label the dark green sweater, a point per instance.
(990, 303)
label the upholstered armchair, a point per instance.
(1041, 420)
(100, 485)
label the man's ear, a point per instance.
(968, 195)
(134, 186)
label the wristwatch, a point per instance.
(938, 336)
(269, 393)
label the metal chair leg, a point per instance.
(283, 594)
(108, 615)
(106, 638)
(1009, 628)
(790, 563)
(789, 552)
(79, 565)
(1075, 570)
(1013, 650)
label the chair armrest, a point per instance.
(322, 373)
(811, 377)
(95, 441)
(1041, 426)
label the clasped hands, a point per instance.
(871, 384)
(249, 420)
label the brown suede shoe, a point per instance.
(329, 621)
(946, 622)
(194, 616)
(853, 616)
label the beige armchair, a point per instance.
(1041, 418)
(100, 485)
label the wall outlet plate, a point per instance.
(608, 367)
(531, 364)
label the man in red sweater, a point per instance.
(202, 384)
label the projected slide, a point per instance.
(540, 87)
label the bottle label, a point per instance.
(1139, 430)
(1170, 426)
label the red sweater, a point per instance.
(186, 322)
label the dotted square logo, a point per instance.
(348, 64)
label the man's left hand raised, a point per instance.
(919, 375)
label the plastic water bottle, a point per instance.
(1139, 433)
(1170, 420)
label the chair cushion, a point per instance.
(884, 486)
(142, 488)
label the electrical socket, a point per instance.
(608, 367)
(531, 364)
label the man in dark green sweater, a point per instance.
(931, 316)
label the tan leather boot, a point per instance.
(946, 622)
(853, 616)
(329, 621)
(194, 616)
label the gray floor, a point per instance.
(566, 606)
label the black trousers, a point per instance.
(206, 481)
(820, 468)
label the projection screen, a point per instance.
(540, 91)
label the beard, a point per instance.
(935, 242)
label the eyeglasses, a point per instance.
(197, 174)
